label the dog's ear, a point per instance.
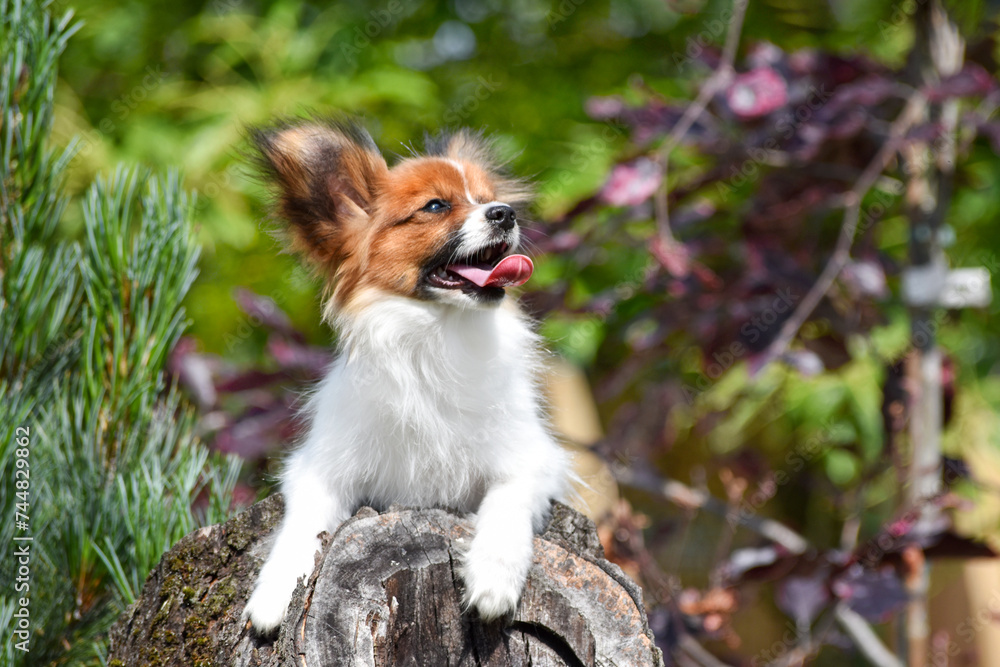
(326, 176)
(476, 148)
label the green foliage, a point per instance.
(114, 467)
(86, 327)
(175, 83)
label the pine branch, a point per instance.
(85, 332)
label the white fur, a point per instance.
(477, 232)
(465, 181)
(426, 405)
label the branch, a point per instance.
(697, 653)
(685, 496)
(852, 199)
(719, 79)
(865, 638)
(856, 627)
(808, 645)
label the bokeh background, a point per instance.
(671, 320)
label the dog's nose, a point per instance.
(502, 216)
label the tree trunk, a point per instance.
(384, 592)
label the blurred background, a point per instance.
(751, 435)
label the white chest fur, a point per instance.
(426, 404)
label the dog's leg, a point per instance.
(496, 565)
(311, 507)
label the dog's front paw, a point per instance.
(493, 584)
(491, 599)
(267, 605)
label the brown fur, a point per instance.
(359, 222)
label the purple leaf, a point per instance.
(972, 81)
(875, 594)
(757, 93)
(292, 356)
(267, 312)
(244, 495)
(565, 241)
(675, 257)
(604, 108)
(252, 379)
(866, 92)
(194, 371)
(646, 122)
(764, 54)
(743, 560)
(691, 215)
(847, 124)
(632, 183)
(803, 598)
(926, 132)
(252, 437)
(602, 304)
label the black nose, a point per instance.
(503, 216)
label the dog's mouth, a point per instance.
(488, 269)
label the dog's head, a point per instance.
(441, 226)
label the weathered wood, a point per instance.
(385, 592)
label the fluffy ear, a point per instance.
(326, 176)
(475, 148)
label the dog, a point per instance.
(433, 399)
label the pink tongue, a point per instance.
(510, 272)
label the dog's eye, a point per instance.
(436, 206)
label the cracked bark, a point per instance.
(384, 592)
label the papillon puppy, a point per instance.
(433, 399)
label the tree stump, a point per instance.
(384, 592)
